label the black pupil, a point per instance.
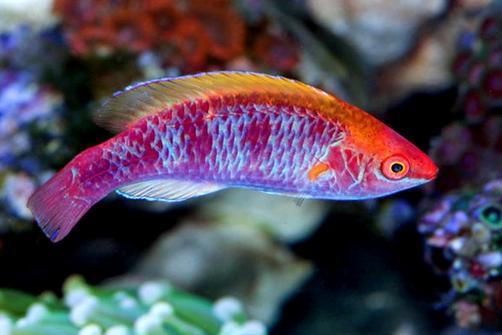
(492, 214)
(396, 167)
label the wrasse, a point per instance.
(184, 137)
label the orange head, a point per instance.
(380, 161)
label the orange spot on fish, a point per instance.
(317, 170)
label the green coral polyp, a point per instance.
(491, 215)
(154, 308)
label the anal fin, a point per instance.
(167, 190)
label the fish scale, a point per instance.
(271, 155)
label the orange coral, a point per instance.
(132, 31)
(90, 39)
(186, 33)
(94, 25)
(155, 4)
(210, 3)
(277, 51)
(223, 27)
(165, 15)
(77, 12)
(191, 44)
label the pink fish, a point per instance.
(188, 136)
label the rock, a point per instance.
(217, 260)
(36, 13)
(286, 218)
(382, 30)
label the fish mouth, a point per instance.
(431, 175)
(428, 174)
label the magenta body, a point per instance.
(188, 136)
(270, 148)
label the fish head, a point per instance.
(378, 162)
(396, 164)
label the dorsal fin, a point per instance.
(167, 190)
(142, 99)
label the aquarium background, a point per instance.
(423, 261)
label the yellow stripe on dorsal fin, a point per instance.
(143, 99)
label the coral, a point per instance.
(11, 40)
(131, 31)
(194, 29)
(25, 108)
(164, 15)
(89, 39)
(191, 46)
(16, 189)
(223, 27)
(21, 48)
(463, 232)
(154, 308)
(278, 51)
(470, 5)
(22, 103)
(215, 259)
(467, 154)
(478, 66)
(103, 27)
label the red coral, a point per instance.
(277, 51)
(473, 106)
(90, 39)
(132, 31)
(164, 15)
(191, 45)
(77, 13)
(223, 27)
(492, 84)
(93, 25)
(478, 67)
(185, 34)
(467, 153)
(211, 3)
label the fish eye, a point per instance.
(395, 167)
(491, 215)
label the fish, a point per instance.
(184, 137)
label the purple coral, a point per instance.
(465, 230)
(24, 104)
(478, 66)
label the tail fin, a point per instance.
(55, 210)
